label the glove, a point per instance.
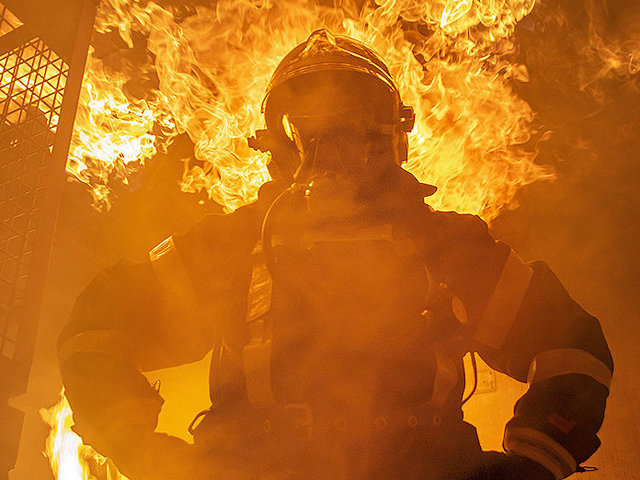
(508, 466)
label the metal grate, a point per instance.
(32, 84)
(43, 48)
(8, 21)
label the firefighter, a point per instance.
(339, 307)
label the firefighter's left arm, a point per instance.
(523, 323)
(553, 344)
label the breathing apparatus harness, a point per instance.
(257, 353)
(322, 52)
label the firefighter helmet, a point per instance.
(333, 79)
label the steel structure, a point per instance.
(43, 48)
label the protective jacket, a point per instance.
(338, 354)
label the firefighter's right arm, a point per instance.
(160, 313)
(99, 357)
(523, 322)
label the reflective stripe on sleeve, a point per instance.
(505, 302)
(259, 296)
(566, 361)
(173, 278)
(108, 342)
(540, 448)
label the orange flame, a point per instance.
(70, 459)
(213, 67)
(113, 135)
(451, 59)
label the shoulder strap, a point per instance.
(257, 353)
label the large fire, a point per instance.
(203, 72)
(206, 69)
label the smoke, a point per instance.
(581, 57)
(586, 224)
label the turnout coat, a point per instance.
(337, 352)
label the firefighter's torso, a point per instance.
(347, 326)
(340, 356)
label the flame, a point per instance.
(70, 459)
(114, 135)
(472, 137)
(472, 130)
(451, 60)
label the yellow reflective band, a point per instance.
(566, 361)
(173, 278)
(505, 302)
(163, 248)
(108, 342)
(259, 296)
(540, 448)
